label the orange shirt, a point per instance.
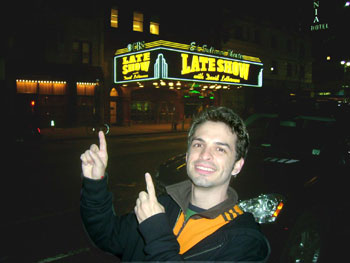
(196, 228)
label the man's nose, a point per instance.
(206, 154)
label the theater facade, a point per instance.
(164, 81)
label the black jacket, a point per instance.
(238, 240)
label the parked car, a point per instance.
(26, 130)
(294, 183)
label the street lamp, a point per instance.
(345, 63)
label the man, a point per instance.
(198, 220)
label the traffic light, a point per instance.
(32, 105)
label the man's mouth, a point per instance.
(204, 169)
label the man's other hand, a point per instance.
(94, 160)
(147, 204)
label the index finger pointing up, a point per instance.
(103, 143)
(150, 187)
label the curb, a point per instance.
(61, 134)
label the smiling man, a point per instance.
(198, 219)
(211, 162)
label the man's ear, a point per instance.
(186, 156)
(237, 167)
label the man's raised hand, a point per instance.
(94, 161)
(147, 204)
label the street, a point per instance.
(40, 220)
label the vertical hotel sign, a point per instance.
(173, 61)
(316, 24)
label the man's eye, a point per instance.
(219, 149)
(197, 145)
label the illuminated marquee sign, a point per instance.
(136, 66)
(173, 61)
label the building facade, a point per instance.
(62, 66)
(52, 58)
(286, 53)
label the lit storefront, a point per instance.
(49, 100)
(162, 81)
(48, 94)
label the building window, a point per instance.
(274, 42)
(154, 28)
(26, 86)
(76, 52)
(81, 53)
(114, 17)
(290, 45)
(138, 22)
(86, 53)
(239, 32)
(113, 92)
(301, 72)
(301, 50)
(86, 88)
(257, 36)
(45, 87)
(141, 111)
(52, 87)
(289, 69)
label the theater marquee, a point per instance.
(173, 61)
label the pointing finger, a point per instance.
(103, 143)
(150, 186)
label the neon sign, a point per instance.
(204, 64)
(136, 46)
(166, 62)
(316, 22)
(212, 50)
(136, 66)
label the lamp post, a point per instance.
(345, 64)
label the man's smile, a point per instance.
(204, 169)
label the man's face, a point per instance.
(211, 155)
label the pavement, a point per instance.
(57, 133)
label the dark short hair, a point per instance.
(231, 119)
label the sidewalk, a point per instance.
(81, 132)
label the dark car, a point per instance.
(293, 181)
(26, 130)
